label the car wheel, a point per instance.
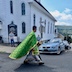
(69, 48)
(58, 52)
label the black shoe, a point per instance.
(25, 62)
(40, 62)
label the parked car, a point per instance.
(54, 46)
(67, 45)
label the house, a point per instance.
(19, 16)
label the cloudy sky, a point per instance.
(60, 9)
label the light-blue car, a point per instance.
(54, 46)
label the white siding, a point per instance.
(17, 18)
(44, 17)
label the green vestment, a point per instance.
(30, 42)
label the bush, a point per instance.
(68, 38)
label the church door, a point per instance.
(12, 28)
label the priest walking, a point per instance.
(29, 46)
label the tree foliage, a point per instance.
(68, 38)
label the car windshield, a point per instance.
(65, 42)
(54, 41)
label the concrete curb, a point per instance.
(6, 49)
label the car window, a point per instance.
(65, 42)
(54, 41)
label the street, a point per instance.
(53, 63)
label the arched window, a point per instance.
(23, 27)
(34, 19)
(51, 28)
(11, 7)
(48, 26)
(23, 8)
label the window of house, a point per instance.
(48, 27)
(45, 26)
(11, 7)
(23, 8)
(23, 27)
(51, 28)
(34, 19)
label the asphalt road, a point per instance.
(53, 63)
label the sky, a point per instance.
(60, 9)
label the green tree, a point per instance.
(68, 38)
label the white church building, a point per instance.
(19, 16)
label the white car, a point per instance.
(67, 45)
(54, 46)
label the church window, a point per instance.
(23, 27)
(51, 28)
(23, 8)
(48, 27)
(11, 7)
(34, 19)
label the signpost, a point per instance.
(42, 27)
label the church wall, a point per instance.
(39, 14)
(16, 17)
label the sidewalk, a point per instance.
(6, 49)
